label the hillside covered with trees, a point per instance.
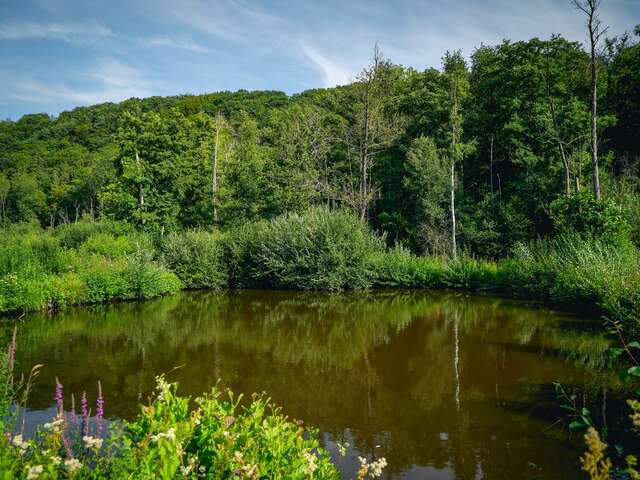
(505, 138)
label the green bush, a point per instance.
(317, 250)
(75, 234)
(114, 247)
(602, 219)
(197, 257)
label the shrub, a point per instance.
(595, 219)
(196, 257)
(114, 247)
(317, 250)
(75, 234)
(21, 293)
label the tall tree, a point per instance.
(596, 31)
(375, 127)
(456, 75)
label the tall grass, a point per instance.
(81, 263)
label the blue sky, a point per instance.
(58, 54)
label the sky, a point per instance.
(59, 54)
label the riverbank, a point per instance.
(92, 262)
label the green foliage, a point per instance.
(317, 250)
(217, 439)
(81, 263)
(196, 257)
(582, 213)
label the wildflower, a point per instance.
(169, 435)
(12, 350)
(593, 461)
(311, 463)
(92, 442)
(34, 472)
(56, 460)
(55, 426)
(84, 411)
(342, 448)
(59, 396)
(375, 469)
(99, 408)
(162, 387)
(364, 468)
(72, 464)
(20, 443)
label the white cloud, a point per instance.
(112, 81)
(15, 30)
(333, 73)
(171, 42)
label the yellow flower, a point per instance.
(593, 461)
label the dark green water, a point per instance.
(443, 385)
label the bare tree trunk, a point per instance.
(594, 129)
(214, 170)
(491, 162)
(454, 115)
(364, 154)
(590, 9)
(140, 194)
(563, 156)
(77, 207)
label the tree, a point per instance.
(596, 31)
(374, 127)
(427, 182)
(456, 74)
(4, 194)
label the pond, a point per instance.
(443, 385)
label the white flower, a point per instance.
(56, 460)
(72, 464)
(169, 435)
(55, 425)
(311, 463)
(162, 387)
(92, 442)
(342, 448)
(375, 469)
(34, 472)
(20, 443)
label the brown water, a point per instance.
(443, 385)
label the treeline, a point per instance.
(90, 262)
(502, 138)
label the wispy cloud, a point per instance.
(172, 42)
(334, 74)
(112, 81)
(18, 30)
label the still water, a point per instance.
(443, 385)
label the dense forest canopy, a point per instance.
(511, 128)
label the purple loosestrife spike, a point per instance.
(99, 408)
(59, 397)
(12, 350)
(74, 417)
(84, 411)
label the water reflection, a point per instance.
(442, 385)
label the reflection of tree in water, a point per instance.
(382, 364)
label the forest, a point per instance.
(515, 171)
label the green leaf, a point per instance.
(576, 425)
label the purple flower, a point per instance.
(12, 350)
(84, 411)
(59, 397)
(99, 408)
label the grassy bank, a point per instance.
(319, 250)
